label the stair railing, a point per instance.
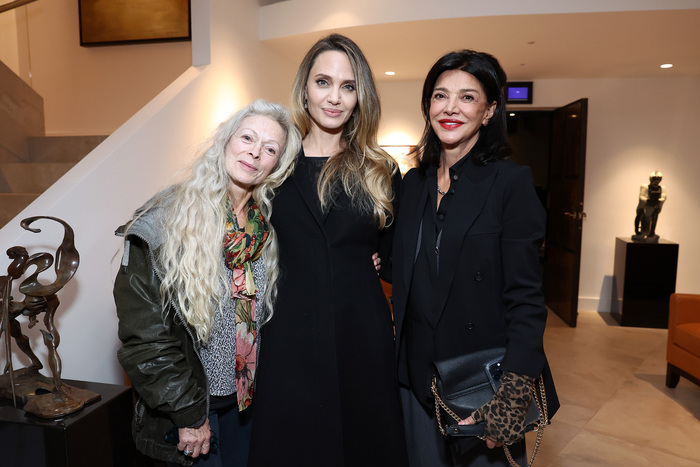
(15, 4)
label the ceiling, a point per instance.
(529, 47)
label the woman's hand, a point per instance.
(504, 415)
(490, 443)
(194, 441)
(377, 262)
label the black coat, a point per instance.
(489, 293)
(326, 390)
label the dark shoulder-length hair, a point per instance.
(493, 138)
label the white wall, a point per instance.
(88, 90)
(133, 163)
(402, 122)
(9, 49)
(635, 126)
(302, 16)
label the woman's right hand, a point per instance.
(195, 441)
(377, 261)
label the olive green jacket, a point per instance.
(159, 354)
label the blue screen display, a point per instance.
(518, 93)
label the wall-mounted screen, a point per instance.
(519, 92)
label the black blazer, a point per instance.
(489, 291)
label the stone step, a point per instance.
(21, 115)
(12, 204)
(29, 177)
(61, 148)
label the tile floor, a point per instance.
(616, 409)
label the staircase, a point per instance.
(29, 161)
(48, 159)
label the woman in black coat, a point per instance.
(465, 259)
(327, 393)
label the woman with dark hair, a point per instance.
(465, 262)
(327, 392)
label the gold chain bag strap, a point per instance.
(462, 384)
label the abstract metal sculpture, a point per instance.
(39, 395)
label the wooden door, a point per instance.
(566, 178)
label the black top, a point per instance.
(421, 311)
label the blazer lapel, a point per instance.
(306, 189)
(338, 193)
(468, 202)
(412, 233)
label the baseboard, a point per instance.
(593, 304)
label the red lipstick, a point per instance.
(450, 124)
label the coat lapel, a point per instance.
(468, 202)
(309, 192)
(306, 189)
(412, 230)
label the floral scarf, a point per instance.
(242, 246)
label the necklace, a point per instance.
(443, 193)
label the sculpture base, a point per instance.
(36, 394)
(645, 278)
(645, 238)
(98, 435)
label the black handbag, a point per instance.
(464, 383)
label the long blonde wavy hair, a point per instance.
(194, 224)
(363, 168)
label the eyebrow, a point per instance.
(257, 135)
(458, 91)
(243, 129)
(330, 78)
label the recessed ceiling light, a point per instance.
(512, 114)
(667, 65)
(389, 73)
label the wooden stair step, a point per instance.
(30, 177)
(61, 148)
(21, 115)
(12, 204)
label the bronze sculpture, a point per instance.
(651, 200)
(39, 395)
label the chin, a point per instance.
(451, 143)
(330, 125)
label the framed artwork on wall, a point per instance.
(116, 22)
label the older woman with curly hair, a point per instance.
(198, 279)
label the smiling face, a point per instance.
(252, 153)
(458, 109)
(330, 91)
